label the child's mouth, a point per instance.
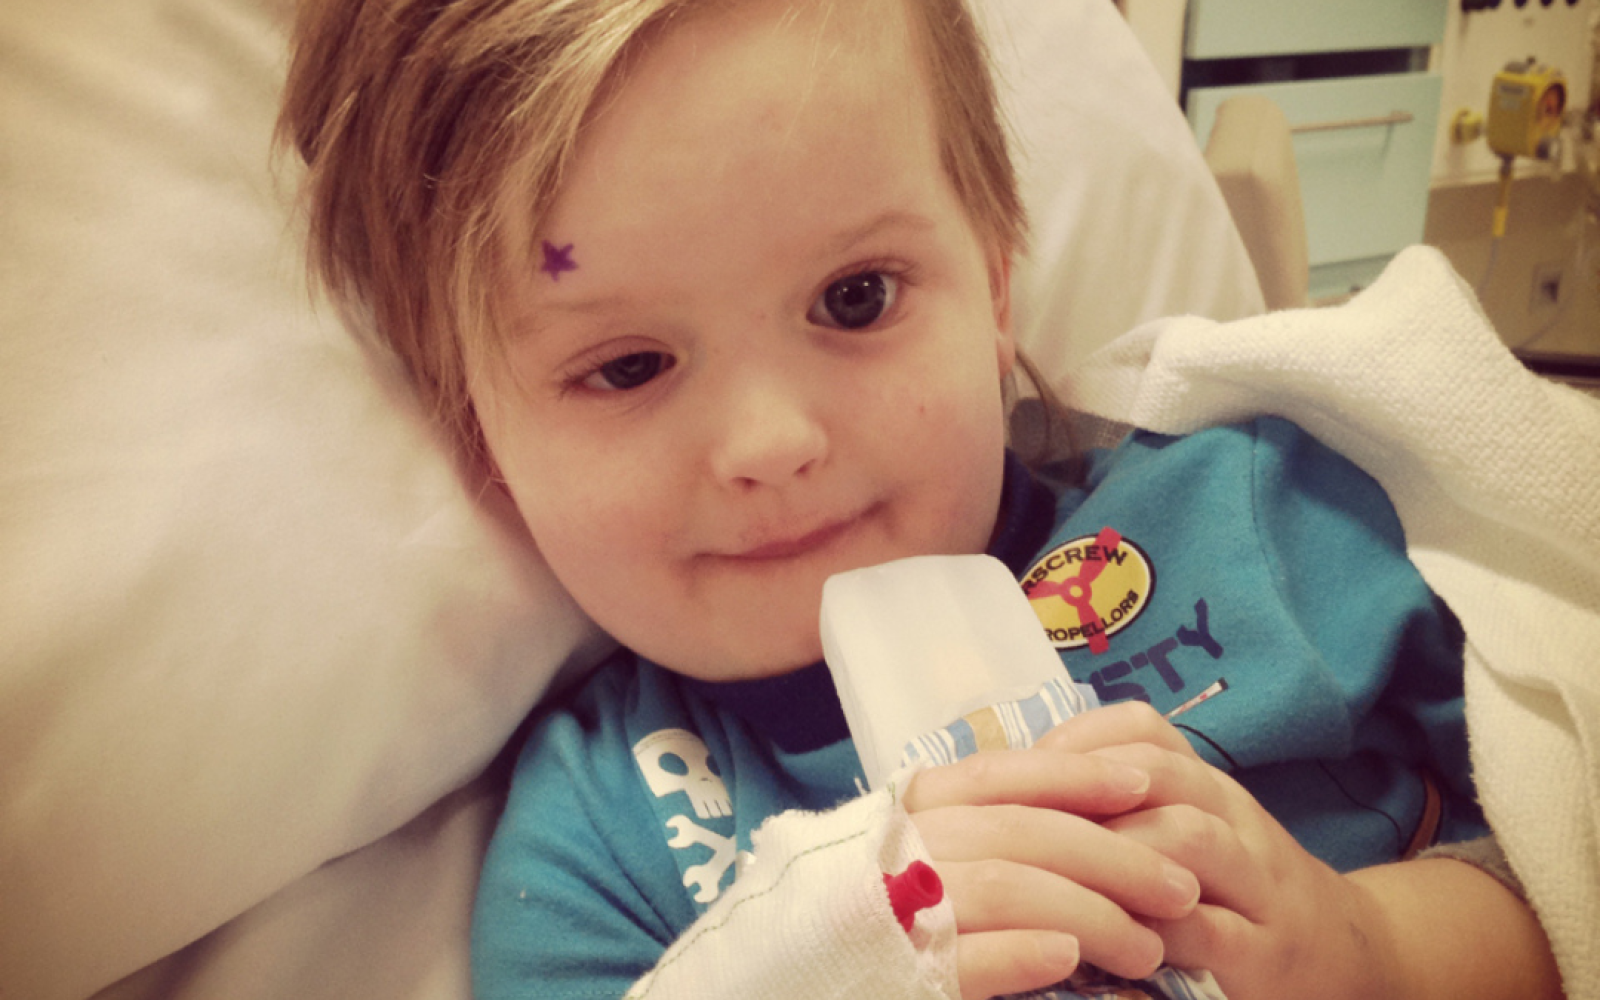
(792, 546)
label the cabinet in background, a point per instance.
(1352, 78)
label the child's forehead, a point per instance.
(868, 22)
(723, 46)
(735, 96)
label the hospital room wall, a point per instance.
(1541, 243)
(1542, 297)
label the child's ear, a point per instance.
(1000, 296)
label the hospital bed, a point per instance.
(261, 658)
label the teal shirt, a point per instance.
(1263, 578)
(1279, 570)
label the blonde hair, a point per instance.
(413, 116)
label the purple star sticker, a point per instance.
(557, 259)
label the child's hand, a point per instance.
(1036, 886)
(1273, 920)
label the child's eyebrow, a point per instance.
(531, 322)
(600, 303)
(878, 225)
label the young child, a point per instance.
(718, 291)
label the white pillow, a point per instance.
(1127, 222)
(250, 622)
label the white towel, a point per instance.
(1495, 473)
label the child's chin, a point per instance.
(767, 661)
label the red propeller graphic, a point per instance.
(1078, 591)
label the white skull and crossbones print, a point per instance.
(674, 761)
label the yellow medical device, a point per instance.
(1525, 108)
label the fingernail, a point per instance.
(1060, 951)
(1158, 955)
(1183, 889)
(1129, 779)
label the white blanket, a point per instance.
(1496, 477)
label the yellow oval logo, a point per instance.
(1089, 589)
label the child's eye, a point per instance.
(630, 371)
(855, 301)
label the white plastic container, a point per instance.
(935, 656)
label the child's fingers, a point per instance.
(1112, 725)
(1177, 777)
(1209, 938)
(1304, 937)
(1229, 873)
(992, 896)
(1005, 962)
(1205, 822)
(1071, 782)
(1137, 877)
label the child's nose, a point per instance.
(767, 436)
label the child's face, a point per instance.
(765, 344)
